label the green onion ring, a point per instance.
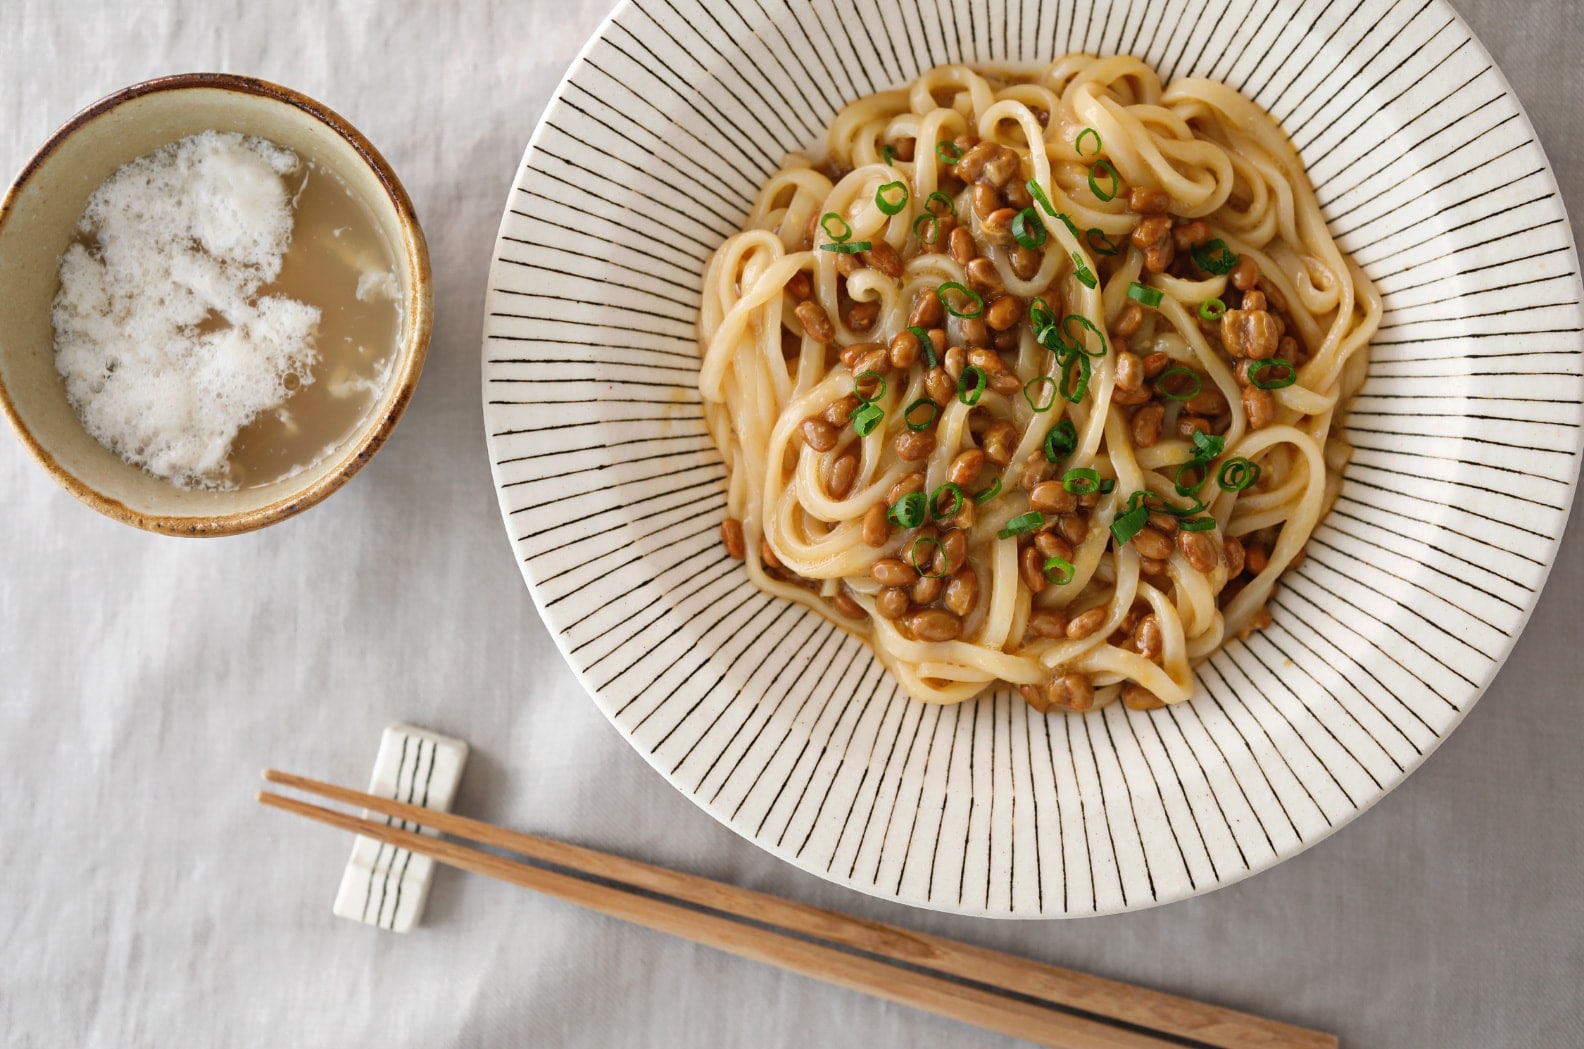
(1082, 271)
(1040, 315)
(953, 490)
(888, 153)
(1212, 309)
(926, 346)
(970, 394)
(1187, 490)
(1040, 197)
(1144, 295)
(851, 247)
(1059, 571)
(1106, 248)
(1081, 481)
(1160, 383)
(913, 555)
(1116, 181)
(1207, 445)
(1238, 474)
(1061, 441)
(908, 511)
(1085, 372)
(1087, 132)
(1287, 378)
(989, 492)
(1028, 230)
(1022, 524)
(935, 227)
(951, 205)
(879, 393)
(1076, 342)
(947, 152)
(1215, 257)
(866, 417)
(1041, 381)
(1197, 524)
(887, 206)
(846, 230)
(951, 285)
(934, 413)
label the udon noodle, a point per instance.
(1032, 376)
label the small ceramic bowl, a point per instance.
(38, 221)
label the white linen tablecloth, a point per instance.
(145, 900)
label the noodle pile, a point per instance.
(1168, 249)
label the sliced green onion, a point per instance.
(1106, 246)
(1082, 271)
(1059, 571)
(866, 417)
(841, 233)
(947, 152)
(1041, 381)
(1238, 474)
(1022, 524)
(1197, 524)
(927, 421)
(953, 490)
(1162, 387)
(989, 492)
(1207, 445)
(1186, 490)
(935, 228)
(851, 247)
(1072, 227)
(1087, 132)
(1212, 309)
(1028, 230)
(1104, 167)
(888, 153)
(973, 296)
(1077, 341)
(1080, 386)
(1162, 506)
(1039, 197)
(1060, 441)
(929, 559)
(1081, 481)
(908, 511)
(1107, 486)
(944, 198)
(1129, 524)
(1144, 294)
(899, 197)
(1284, 379)
(926, 346)
(1040, 315)
(858, 381)
(968, 392)
(1215, 258)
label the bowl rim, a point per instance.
(560, 611)
(412, 351)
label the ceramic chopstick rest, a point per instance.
(383, 885)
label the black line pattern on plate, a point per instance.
(595, 282)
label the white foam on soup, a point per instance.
(164, 342)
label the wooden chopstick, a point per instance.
(999, 992)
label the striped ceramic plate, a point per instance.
(784, 728)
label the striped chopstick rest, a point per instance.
(383, 885)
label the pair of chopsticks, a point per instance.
(998, 992)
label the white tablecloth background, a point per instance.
(145, 900)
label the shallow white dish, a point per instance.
(775, 722)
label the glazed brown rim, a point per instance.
(413, 349)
